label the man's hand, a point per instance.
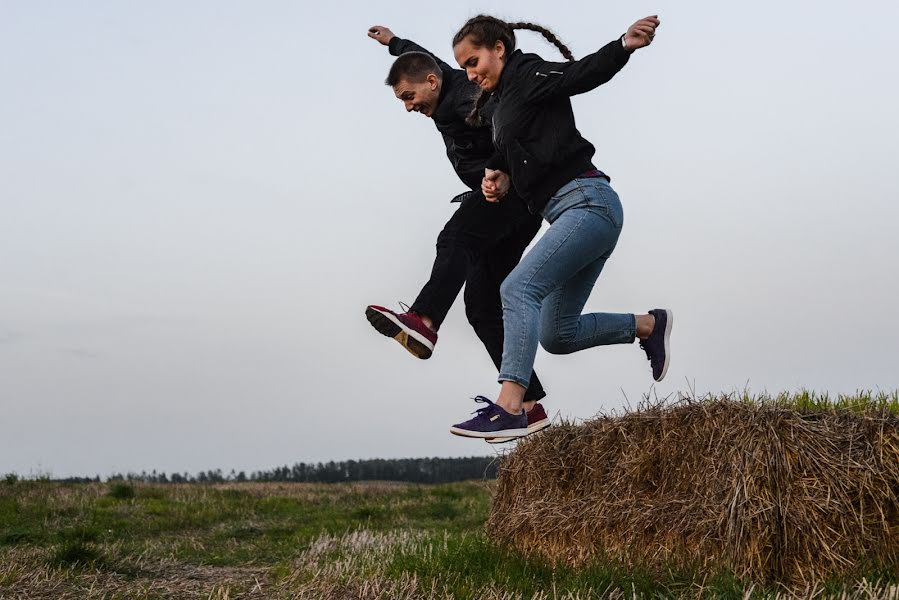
(495, 185)
(640, 34)
(380, 34)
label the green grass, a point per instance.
(468, 562)
(272, 527)
(76, 554)
(295, 535)
(813, 402)
(121, 491)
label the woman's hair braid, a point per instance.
(549, 35)
(484, 30)
(474, 117)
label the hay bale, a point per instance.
(767, 490)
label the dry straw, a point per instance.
(781, 490)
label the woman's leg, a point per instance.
(586, 221)
(563, 329)
(482, 300)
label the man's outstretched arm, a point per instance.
(397, 45)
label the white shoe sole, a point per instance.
(388, 325)
(509, 433)
(669, 322)
(534, 428)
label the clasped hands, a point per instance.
(495, 185)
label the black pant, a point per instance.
(479, 246)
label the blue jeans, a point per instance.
(544, 295)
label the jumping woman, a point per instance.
(540, 153)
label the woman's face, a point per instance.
(483, 64)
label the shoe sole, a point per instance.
(669, 322)
(388, 325)
(538, 426)
(510, 433)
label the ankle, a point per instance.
(645, 325)
(510, 406)
(511, 397)
(427, 321)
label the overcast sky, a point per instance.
(198, 200)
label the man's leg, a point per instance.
(483, 306)
(474, 226)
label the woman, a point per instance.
(541, 153)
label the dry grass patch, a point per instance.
(351, 567)
(29, 574)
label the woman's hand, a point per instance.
(381, 34)
(640, 34)
(495, 185)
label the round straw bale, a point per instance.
(766, 491)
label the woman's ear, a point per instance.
(500, 49)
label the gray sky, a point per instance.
(198, 200)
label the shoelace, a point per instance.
(645, 347)
(404, 306)
(483, 409)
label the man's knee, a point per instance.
(482, 309)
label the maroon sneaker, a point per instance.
(537, 421)
(407, 328)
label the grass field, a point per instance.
(254, 540)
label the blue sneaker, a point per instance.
(492, 421)
(658, 345)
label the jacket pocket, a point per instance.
(524, 168)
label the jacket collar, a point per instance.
(506, 75)
(447, 83)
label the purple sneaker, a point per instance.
(537, 421)
(407, 328)
(492, 421)
(658, 346)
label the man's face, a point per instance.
(419, 97)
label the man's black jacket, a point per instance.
(468, 148)
(537, 142)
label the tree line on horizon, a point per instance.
(411, 470)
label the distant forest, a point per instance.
(414, 470)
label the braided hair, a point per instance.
(484, 30)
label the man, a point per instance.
(482, 242)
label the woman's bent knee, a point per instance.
(554, 343)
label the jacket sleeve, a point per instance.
(399, 46)
(543, 80)
(497, 162)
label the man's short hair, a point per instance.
(414, 67)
